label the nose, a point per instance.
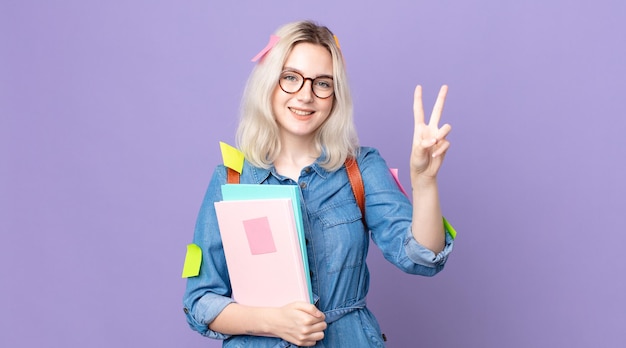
(305, 94)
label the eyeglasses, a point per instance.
(292, 81)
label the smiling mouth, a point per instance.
(301, 112)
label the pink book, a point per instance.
(262, 252)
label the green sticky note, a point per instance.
(193, 259)
(449, 228)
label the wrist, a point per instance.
(422, 182)
(265, 317)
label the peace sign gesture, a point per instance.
(429, 141)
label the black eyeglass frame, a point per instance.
(304, 79)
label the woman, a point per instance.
(296, 128)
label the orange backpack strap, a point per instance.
(356, 181)
(232, 176)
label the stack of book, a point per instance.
(264, 244)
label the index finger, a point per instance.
(435, 117)
(418, 107)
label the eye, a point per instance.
(290, 77)
(324, 83)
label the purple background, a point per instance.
(111, 113)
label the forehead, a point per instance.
(310, 59)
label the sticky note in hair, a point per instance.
(232, 157)
(273, 40)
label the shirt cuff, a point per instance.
(205, 311)
(423, 256)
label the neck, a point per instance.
(294, 156)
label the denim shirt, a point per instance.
(337, 245)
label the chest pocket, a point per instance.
(345, 240)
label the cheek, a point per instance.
(277, 100)
(330, 105)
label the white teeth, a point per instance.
(300, 112)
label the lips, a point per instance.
(300, 112)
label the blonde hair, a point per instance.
(258, 133)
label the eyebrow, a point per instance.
(300, 72)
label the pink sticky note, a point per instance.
(273, 40)
(394, 173)
(259, 236)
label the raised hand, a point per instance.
(429, 141)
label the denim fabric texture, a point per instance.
(337, 246)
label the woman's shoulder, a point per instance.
(367, 153)
(371, 161)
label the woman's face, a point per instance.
(301, 113)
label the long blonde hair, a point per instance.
(258, 134)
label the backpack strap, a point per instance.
(356, 181)
(232, 176)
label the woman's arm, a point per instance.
(209, 308)
(427, 154)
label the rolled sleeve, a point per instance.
(419, 255)
(204, 311)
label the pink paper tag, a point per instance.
(259, 235)
(394, 173)
(273, 40)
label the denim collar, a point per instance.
(254, 175)
(323, 173)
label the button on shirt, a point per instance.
(337, 246)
